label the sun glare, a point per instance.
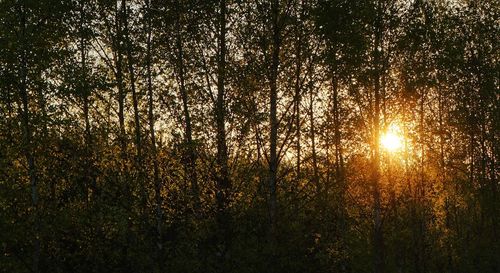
(392, 140)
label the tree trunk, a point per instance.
(378, 245)
(339, 158)
(222, 170)
(135, 105)
(27, 138)
(313, 148)
(122, 136)
(85, 92)
(118, 59)
(297, 96)
(339, 168)
(151, 119)
(273, 120)
(419, 226)
(190, 153)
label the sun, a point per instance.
(392, 140)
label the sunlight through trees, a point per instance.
(392, 139)
(253, 136)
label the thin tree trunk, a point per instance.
(86, 93)
(222, 171)
(273, 120)
(118, 59)
(297, 96)
(27, 139)
(42, 102)
(135, 105)
(339, 158)
(420, 197)
(190, 154)
(151, 119)
(378, 245)
(122, 138)
(339, 167)
(313, 148)
(441, 135)
(377, 227)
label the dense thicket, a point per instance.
(247, 136)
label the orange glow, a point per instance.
(392, 140)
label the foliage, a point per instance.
(136, 136)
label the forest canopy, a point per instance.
(249, 136)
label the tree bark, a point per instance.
(297, 96)
(118, 60)
(135, 105)
(222, 171)
(339, 158)
(86, 105)
(151, 120)
(313, 149)
(378, 243)
(27, 137)
(273, 120)
(190, 153)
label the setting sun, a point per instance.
(392, 140)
